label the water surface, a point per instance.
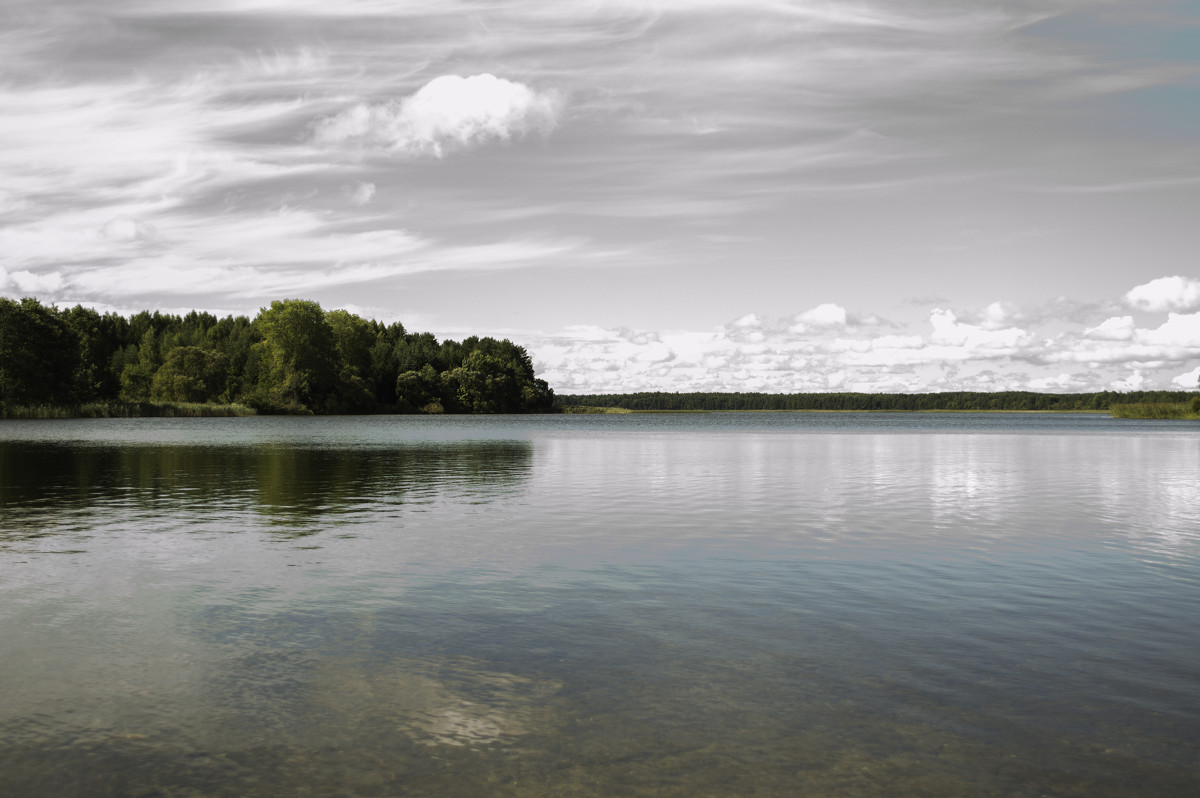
(727, 604)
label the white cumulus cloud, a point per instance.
(1189, 379)
(948, 330)
(1165, 293)
(450, 112)
(1179, 330)
(1117, 328)
(1134, 382)
(824, 315)
(748, 322)
(30, 284)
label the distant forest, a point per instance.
(293, 357)
(960, 400)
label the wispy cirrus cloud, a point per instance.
(685, 161)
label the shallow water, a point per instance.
(729, 604)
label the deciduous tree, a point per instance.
(39, 354)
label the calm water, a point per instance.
(687, 605)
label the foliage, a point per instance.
(353, 339)
(39, 354)
(190, 374)
(293, 357)
(298, 353)
(418, 389)
(482, 384)
(100, 340)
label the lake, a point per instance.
(681, 605)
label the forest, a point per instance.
(293, 357)
(961, 400)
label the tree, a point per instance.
(39, 354)
(235, 337)
(384, 363)
(298, 354)
(484, 384)
(190, 374)
(100, 338)
(353, 338)
(137, 377)
(293, 357)
(536, 396)
(419, 390)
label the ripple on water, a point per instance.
(773, 605)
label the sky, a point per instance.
(678, 195)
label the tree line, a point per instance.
(293, 357)
(956, 400)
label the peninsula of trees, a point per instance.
(293, 357)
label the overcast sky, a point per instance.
(779, 195)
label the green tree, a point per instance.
(137, 377)
(100, 338)
(190, 374)
(39, 354)
(536, 396)
(235, 337)
(419, 390)
(353, 338)
(484, 384)
(299, 356)
(384, 364)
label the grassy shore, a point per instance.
(589, 410)
(1157, 410)
(126, 410)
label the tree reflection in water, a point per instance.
(44, 487)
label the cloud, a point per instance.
(448, 113)
(750, 321)
(1133, 382)
(158, 153)
(359, 193)
(1117, 328)
(1165, 293)
(29, 283)
(825, 315)
(1059, 383)
(1180, 330)
(753, 353)
(997, 316)
(124, 229)
(949, 331)
(1188, 380)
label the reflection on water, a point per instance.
(576, 607)
(435, 702)
(41, 485)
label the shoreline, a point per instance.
(99, 410)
